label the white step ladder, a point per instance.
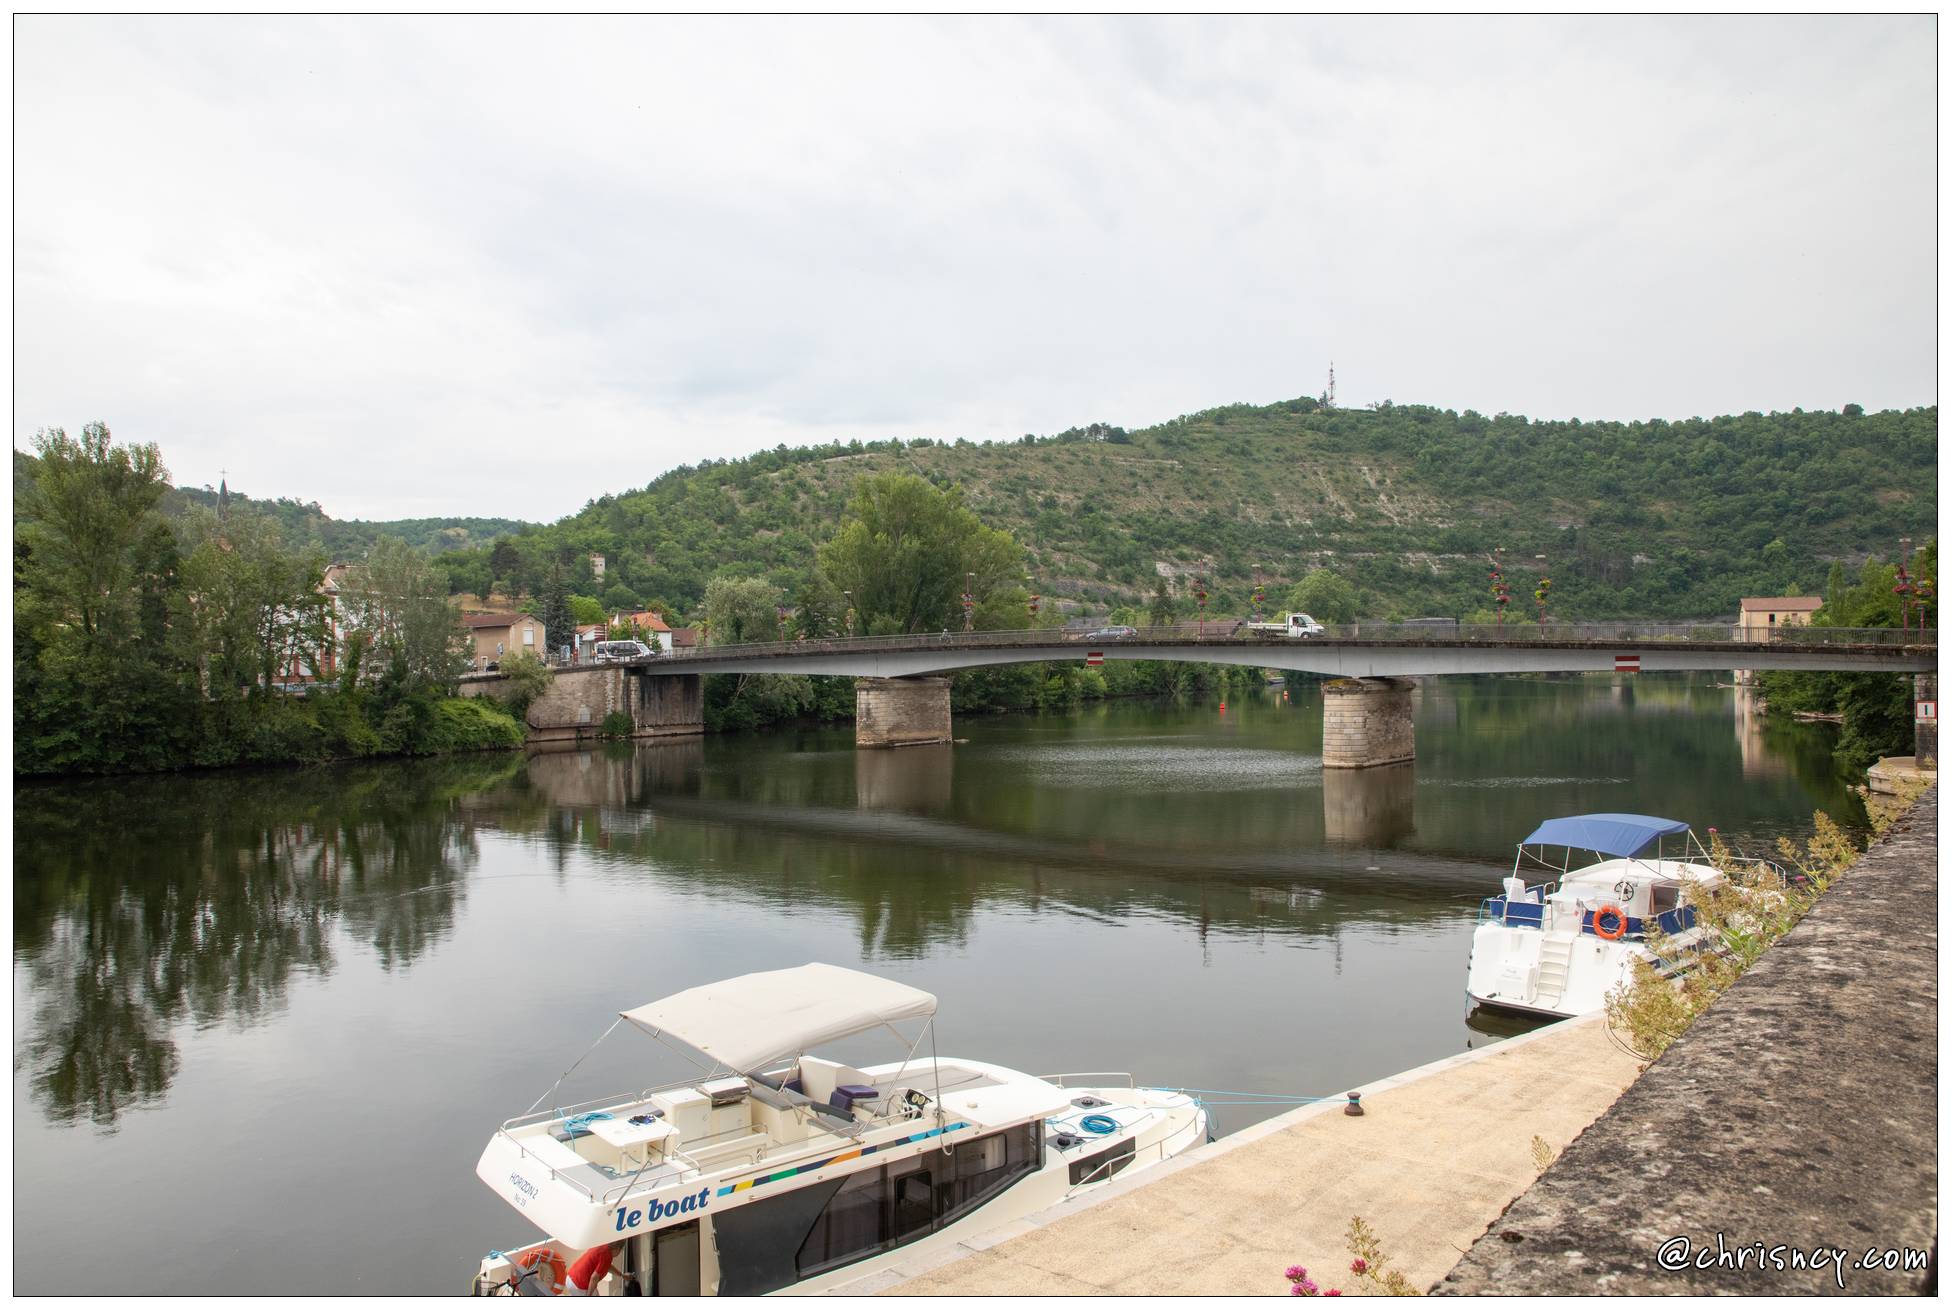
(1554, 968)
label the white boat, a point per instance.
(1557, 946)
(780, 1170)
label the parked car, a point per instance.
(613, 652)
(1116, 632)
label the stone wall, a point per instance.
(578, 700)
(901, 711)
(1798, 1112)
(1367, 722)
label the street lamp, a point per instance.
(850, 612)
(968, 605)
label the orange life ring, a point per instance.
(1598, 922)
(558, 1268)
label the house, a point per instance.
(684, 638)
(1761, 615)
(649, 627)
(324, 663)
(587, 635)
(497, 636)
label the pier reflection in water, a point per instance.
(295, 1003)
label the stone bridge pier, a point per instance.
(901, 712)
(1366, 722)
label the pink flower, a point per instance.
(1298, 1289)
(1309, 1287)
(1360, 1266)
(1332, 1291)
(1295, 1273)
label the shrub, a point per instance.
(528, 678)
(618, 723)
(1739, 919)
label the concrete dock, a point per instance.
(1441, 1151)
(1786, 1143)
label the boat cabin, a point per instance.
(1644, 867)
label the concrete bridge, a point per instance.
(902, 699)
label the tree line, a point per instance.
(147, 642)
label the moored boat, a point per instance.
(779, 1169)
(1558, 945)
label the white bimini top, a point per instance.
(760, 1019)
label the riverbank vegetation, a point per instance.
(1877, 709)
(146, 643)
(1740, 919)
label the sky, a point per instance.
(500, 266)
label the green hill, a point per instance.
(1643, 519)
(305, 524)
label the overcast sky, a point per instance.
(499, 266)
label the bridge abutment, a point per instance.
(901, 712)
(578, 700)
(1366, 722)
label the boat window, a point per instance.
(758, 1242)
(1666, 895)
(911, 1188)
(987, 1165)
(854, 1223)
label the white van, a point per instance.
(613, 652)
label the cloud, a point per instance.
(501, 265)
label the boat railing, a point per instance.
(1530, 914)
(1095, 1078)
(1162, 1148)
(556, 1112)
(1512, 914)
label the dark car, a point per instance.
(1116, 632)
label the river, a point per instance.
(265, 1022)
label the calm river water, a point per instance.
(264, 1023)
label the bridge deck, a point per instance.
(1355, 650)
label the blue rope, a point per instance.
(577, 1123)
(1098, 1123)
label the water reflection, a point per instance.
(918, 779)
(148, 908)
(1369, 807)
(145, 904)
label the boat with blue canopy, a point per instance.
(1555, 943)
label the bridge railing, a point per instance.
(1230, 632)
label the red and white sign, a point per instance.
(1625, 664)
(1095, 657)
(1926, 709)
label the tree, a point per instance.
(249, 606)
(558, 624)
(906, 550)
(528, 678)
(394, 597)
(1164, 612)
(1325, 595)
(741, 609)
(819, 608)
(90, 502)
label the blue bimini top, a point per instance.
(1608, 834)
